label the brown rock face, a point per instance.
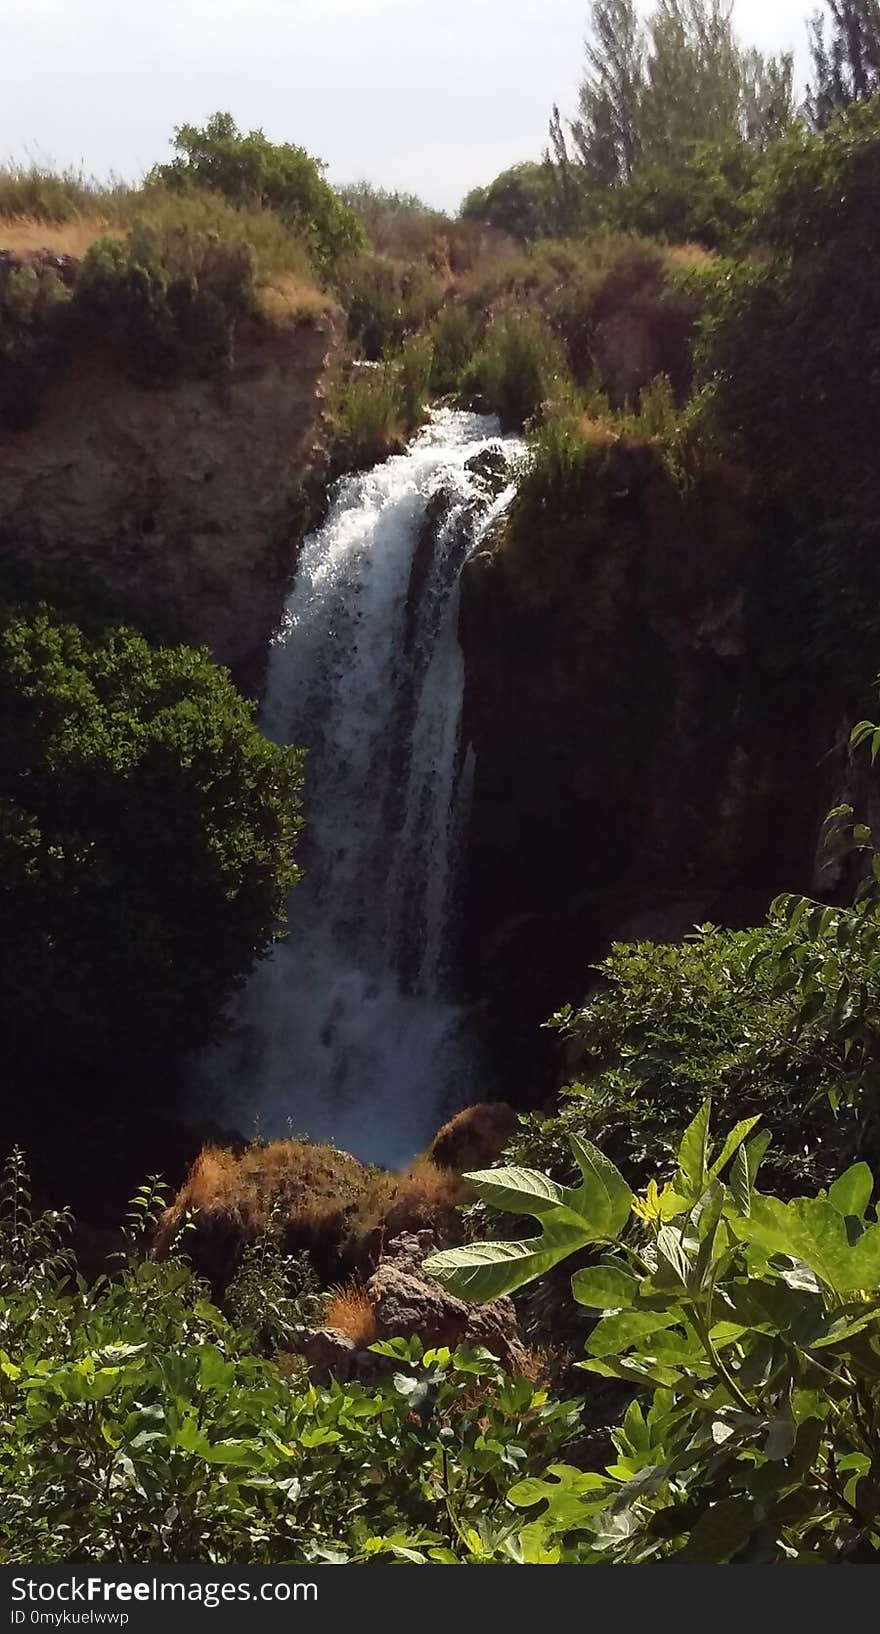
(650, 750)
(408, 1303)
(186, 503)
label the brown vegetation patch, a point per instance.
(24, 234)
(350, 1311)
(301, 1194)
(474, 1138)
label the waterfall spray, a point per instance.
(351, 1030)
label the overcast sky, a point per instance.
(432, 96)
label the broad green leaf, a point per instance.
(732, 1144)
(484, 1271)
(811, 1229)
(604, 1201)
(721, 1531)
(740, 1182)
(617, 1333)
(633, 1370)
(670, 1246)
(851, 1194)
(607, 1287)
(693, 1155)
(518, 1191)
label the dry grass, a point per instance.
(287, 298)
(424, 1197)
(685, 256)
(301, 1194)
(474, 1138)
(351, 1312)
(305, 1196)
(24, 234)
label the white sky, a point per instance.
(432, 96)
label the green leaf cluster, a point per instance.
(749, 1328)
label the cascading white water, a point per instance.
(350, 1032)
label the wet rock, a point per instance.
(491, 469)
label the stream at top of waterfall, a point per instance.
(352, 1031)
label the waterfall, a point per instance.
(350, 1031)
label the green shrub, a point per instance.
(146, 835)
(519, 369)
(385, 301)
(252, 172)
(33, 310)
(416, 359)
(521, 201)
(703, 198)
(138, 1425)
(456, 333)
(749, 1329)
(171, 303)
(790, 348)
(366, 413)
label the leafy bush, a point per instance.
(146, 833)
(377, 406)
(385, 301)
(703, 198)
(456, 333)
(253, 172)
(752, 1326)
(138, 1425)
(521, 201)
(519, 368)
(731, 1014)
(791, 353)
(33, 303)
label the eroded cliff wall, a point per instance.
(652, 749)
(185, 503)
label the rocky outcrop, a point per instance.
(186, 503)
(407, 1304)
(631, 780)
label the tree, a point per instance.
(250, 170)
(654, 95)
(767, 104)
(694, 78)
(520, 201)
(146, 842)
(846, 67)
(607, 132)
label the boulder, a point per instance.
(491, 469)
(408, 1303)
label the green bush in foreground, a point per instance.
(146, 841)
(750, 1330)
(137, 1426)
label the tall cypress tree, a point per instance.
(846, 64)
(606, 133)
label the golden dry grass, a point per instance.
(474, 1138)
(287, 298)
(303, 1195)
(351, 1312)
(685, 256)
(24, 234)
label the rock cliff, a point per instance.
(631, 777)
(184, 503)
